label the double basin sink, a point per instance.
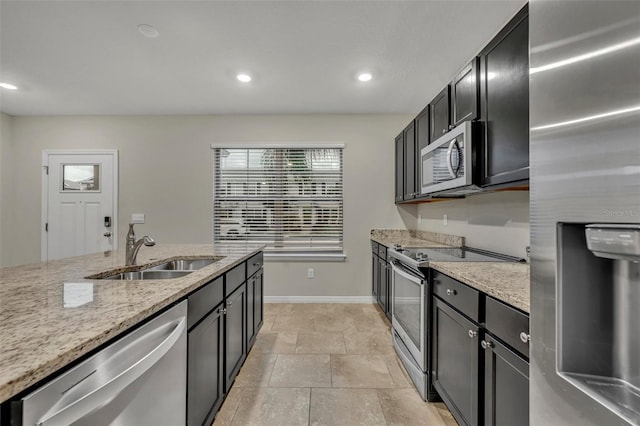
(167, 270)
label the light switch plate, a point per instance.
(137, 218)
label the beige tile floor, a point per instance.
(326, 364)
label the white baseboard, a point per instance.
(319, 299)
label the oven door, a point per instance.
(408, 310)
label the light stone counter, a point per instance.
(389, 237)
(50, 314)
(508, 282)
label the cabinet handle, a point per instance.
(525, 337)
(472, 333)
(229, 304)
(451, 292)
(222, 311)
(451, 126)
(444, 131)
(107, 234)
(486, 345)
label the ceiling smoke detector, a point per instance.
(148, 31)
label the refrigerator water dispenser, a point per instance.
(598, 296)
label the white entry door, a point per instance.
(79, 195)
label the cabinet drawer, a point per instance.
(374, 247)
(457, 294)
(382, 251)
(235, 277)
(204, 300)
(507, 323)
(254, 264)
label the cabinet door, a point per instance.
(504, 69)
(205, 374)
(258, 305)
(464, 94)
(382, 274)
(400, 167)
(387, 272)
(456, 352)
(506, 386)
(410, 162)
(439, 115)
(251, 297)
(375, 280)
(235, 334)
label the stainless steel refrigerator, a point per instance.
(585, 212)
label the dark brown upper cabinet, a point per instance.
(399, 147)
(410, 162)
(465, 94)
(439, 115)
(504, 93)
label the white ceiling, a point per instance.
(87, 57)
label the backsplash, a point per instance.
(498, 221)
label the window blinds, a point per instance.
(287, 198)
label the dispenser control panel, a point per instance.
(614, 241)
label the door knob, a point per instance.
(524, 337)
(107, 234)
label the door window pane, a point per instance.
(81, 177)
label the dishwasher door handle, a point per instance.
(104, 394)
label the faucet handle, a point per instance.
(148, 241)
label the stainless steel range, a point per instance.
(411, 304)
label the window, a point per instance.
(289, 198)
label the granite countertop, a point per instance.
(50, 314)
(505, 281)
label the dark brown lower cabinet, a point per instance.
(506, 385)
(235, 333)
(456, 355)
(254, 307)
(205, 368)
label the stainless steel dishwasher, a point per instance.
(138, 380)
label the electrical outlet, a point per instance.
(445, 220)
(310, 273)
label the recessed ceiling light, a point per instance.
(8, 86)
(148, 31)
(245, 78)
(365, 76)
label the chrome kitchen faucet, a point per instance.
(133, 246)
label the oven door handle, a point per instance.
(401, 270)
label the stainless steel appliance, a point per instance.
(447, 164)
(138, 380)
(411, 310)
(585, 212)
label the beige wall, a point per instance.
(166, 173)
(498, 221)
(6, 122)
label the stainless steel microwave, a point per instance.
(447, 164)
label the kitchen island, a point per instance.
(52, 315)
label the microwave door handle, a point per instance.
(450, 158)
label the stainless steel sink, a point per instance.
(166, 270)
(147, 275)
(183, 265)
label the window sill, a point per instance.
(305, 257)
